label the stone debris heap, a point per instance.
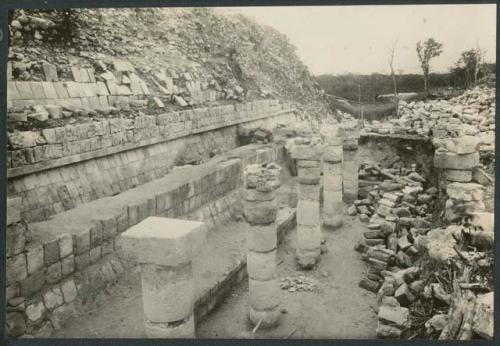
(472, 113)
(392, 192)
(333, 205)
(308, 153)
(412, 266)
(260, 207)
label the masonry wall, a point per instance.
(57, 169)
(47, 275)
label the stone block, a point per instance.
(465, 191)
(262, 265)
(350, 144)
(167, 292)
(69, 290)
(107, 247)
(34, 257)
(81, 242)
(306, 152)
(308, 237)
(68, 265)
(49, 90)
(51, 252)
(24, 90)
(260, 212)
(445, 159)
(32, 284)
(307, 213)
(308, 175)
(161, 241)
(53, 298)
(109, 228)
(13, 210)
(309, 192)
(332, 183)
(455, 175)
(481, 177)
(54, 273)
(35, 310)
(332, 169)
(262, 238)
(264, 294)
(96, 235)
(61, 91)
(395, 316)
(95, 254)
(385, 331)
(15, 239)
(333, 154)
(12, 92)
(65, 245)
(82, 261)
(16, 268)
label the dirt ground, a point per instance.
(339, 309)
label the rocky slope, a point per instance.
(167, 48)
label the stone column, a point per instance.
(457, 158)
(261, 182)
(332, 175)
(350, 164)
(164, 249)
(308, 156)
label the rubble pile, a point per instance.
(430, 282)
(472, 113)
(397, 210)
(300, 283)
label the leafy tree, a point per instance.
(426, 51)
(469, 66)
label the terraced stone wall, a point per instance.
(57, 169)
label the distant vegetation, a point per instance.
(375, 84)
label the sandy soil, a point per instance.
(340, 309)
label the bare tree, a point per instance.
(480, 53)
(393, 75)
(426, 51)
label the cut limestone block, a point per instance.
(446, 159)
(165, 249)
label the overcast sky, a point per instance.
(357, 39)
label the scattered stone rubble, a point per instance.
(300, 283)
(405, 251)
(472, 113)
